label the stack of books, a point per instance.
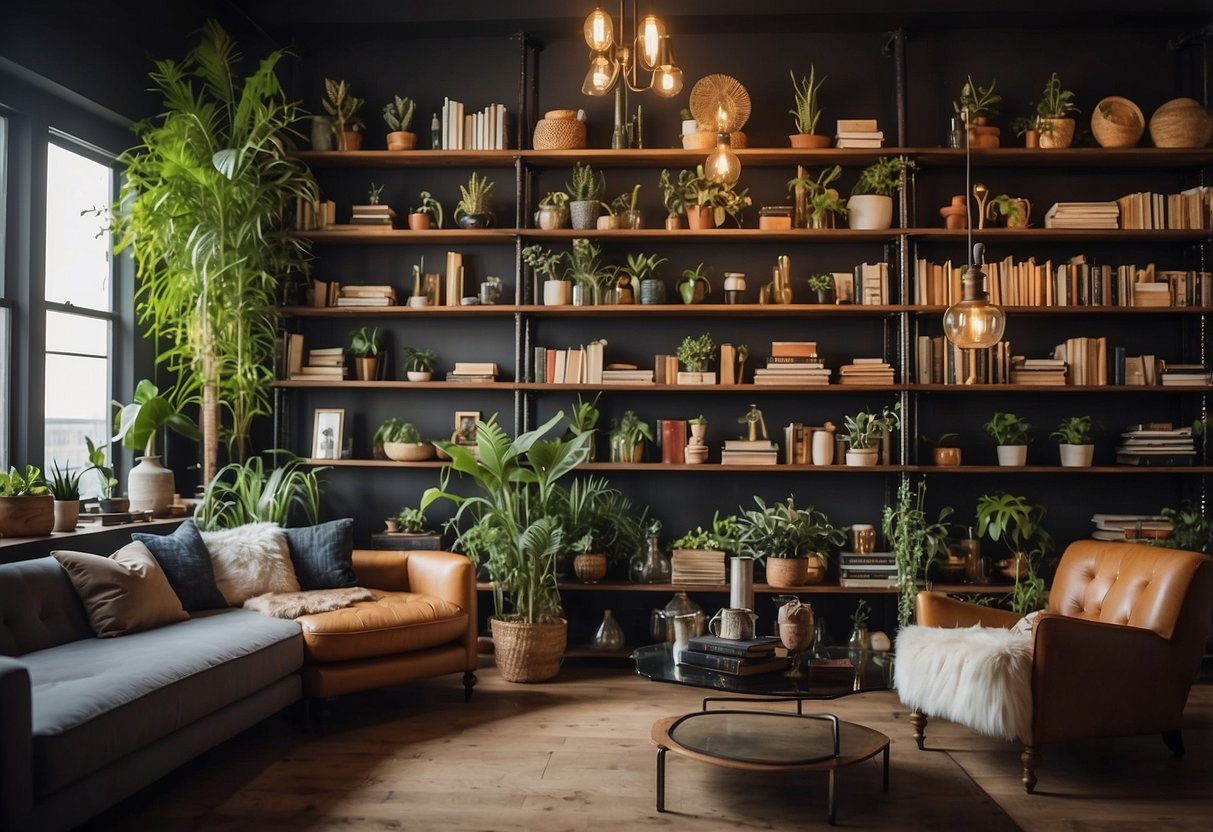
(870, 569)
(871, 283)
(697, 566)
(366, 296)
(858, 132)
(1038, 370)
(1083, 215)
(314, 215)
(1086, 359)
(1151, 294)
(749, 452)
(1114, 526)
(736, 657)
(479, 371)
(1156, 443)
(326, 364)
(324, 292)
(793, 362)
(866, 371)
(1185, 375)
(373, 216)
(626, 374)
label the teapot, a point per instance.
(737, 624)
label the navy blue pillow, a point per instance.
(187, 564)
(323, 555)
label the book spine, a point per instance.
(713, 661)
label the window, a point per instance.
(6, 337)
(79, 307)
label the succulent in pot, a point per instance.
(585, 194)
(427, 214)
(475, 207)
(342, 107)
(398, 115)
(64, 486)
(808, 111)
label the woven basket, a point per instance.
(559, 130)
(1117, 122)
(1181, 122)
(784, 572)
(590, 567)
(529, 652)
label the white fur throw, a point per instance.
(977, 676)
(250, 560)
(295, 604)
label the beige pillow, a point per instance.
(124, 593)
(250, 560)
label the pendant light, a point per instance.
(615, 56)
(722, 164)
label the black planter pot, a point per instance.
(475, 220)
(652, 290)
(825, 296)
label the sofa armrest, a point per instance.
(935, 609)
(16, 747)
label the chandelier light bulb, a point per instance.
(667, 81)
(648, 41)
(722, 164)
(599, 30)
(600, 77)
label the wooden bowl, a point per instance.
(1181, 122)
(408, 451)
(1117, 122)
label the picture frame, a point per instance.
(465, 427)
(844, 287)
(328, 432)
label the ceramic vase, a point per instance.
(609, 635)
(150, 486)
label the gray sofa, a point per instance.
(85, 722)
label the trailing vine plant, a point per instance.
(914, 541)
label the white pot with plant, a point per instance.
(695, 354)
(585, 194)
(149, 485)
(398, 115)
(870, 206)
(1074, 441)
(864, 432)
(419, 363)
(1011, 434)
(64, 485)
(426, 215)
(557, 290)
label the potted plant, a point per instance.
(795, 543)
(865, 431)
(210, 294)
(822, 285)
(706, 202)
(808, 111)
(364, 344)
(601, 527)
(976, 105)
(26, 505)
(643, 269)
(696, 354)
(870, 206)
(1074, 441)
(557, 289)
(343, 107)
(589, 276)
(822, 204)
(553, 210)
(1053, 115)
(694, 285)
(1015, 522)
(428, 213)
(860, 640)
(402, 442)
(1190, 529)
(149, 486)
(625, 208)
(64, 485)
(419, 363)
(945, 453)
(1027, 128)
(522, 537)
(583, 418)
(628, 437)
(915, 543)
(108, 503)
(475, 208)
(585, 194)
(1014, 210)
(1010, 432)
(398, 115)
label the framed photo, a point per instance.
(465, 426)
(844, 287)
(327, 433)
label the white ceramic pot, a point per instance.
(1013, 455)
(418, 375)
(608, 222)
(863, 456)
(689, 125)
(870, 212)
(150, 486)
(67, 514)
(419, 301)
(823, 447)
(557, 292)
(1076, 456)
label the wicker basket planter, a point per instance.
(559, 130)
(529, 652)
(1181, 122)
(590, 567)
(1117, 122)
(784, 572)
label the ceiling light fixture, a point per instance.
(614, 55)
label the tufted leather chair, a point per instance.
(1116, 650)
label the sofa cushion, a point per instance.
(97, 700)
(38, 607)
(187, 564)
(395, 622)
(323, 555)
(124, 593)
(250, 560)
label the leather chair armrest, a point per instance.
(16, 747)
(935, 609)
(385, 569)
(444, 575)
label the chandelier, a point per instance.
(619, 56)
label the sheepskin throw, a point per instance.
(977, 676)
(295, 604)
(250, 560)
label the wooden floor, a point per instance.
(574, 754)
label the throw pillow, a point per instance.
(1024, 625)
(124, 593)
(187, 565)
(323, 555)
(250, 560)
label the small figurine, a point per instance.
(754, 423)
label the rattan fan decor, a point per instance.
(709, 90)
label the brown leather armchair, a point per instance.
(420, 624)
(1116, 650)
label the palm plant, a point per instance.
(247, 493)
(204, 207)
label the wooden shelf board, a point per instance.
(1064, 235)
(714, 310)
(1102, 311)
(680, 157)
(1113, 389)
(401, 385)
(720, 235)
(1057, 469)
(348, 235)
(489, 311)
(714, 389)
(829, 588)
(419, 158)
(377, 463)
(717, 468)
(1089, 157)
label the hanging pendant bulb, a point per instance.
(599, 30)
(667, 78)
(974, 323)
(648, 42)
(722, 164)
(600, 77)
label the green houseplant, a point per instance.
(821, 203)
(149, 485)
(364, 345)
(865, 430)
(553, 210)
(64, 486)
(247, 493)
(582, 418)
(107, 480)
(693, 287)
(807, 111)
(642, 269)
(475, 206)
(705, 202)
(822, 285)
(398, 115)
(600, 526)
(585, 189)
(1074, 441)
(628, 436)
(26, 505)
(796, 543)
(428, 213)
(1053, 115)
(343, 107)
(522, 536)
(1010, 432)
(974, 108)
(696, 354)
(870, 206)
(209, 271)
(402, 441)
(915, 543)
(419, 363)
(1014, 210)
(1018, 524)
(588, 273)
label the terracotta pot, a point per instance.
(810, 141)
(946, 457)
(419, 222)
(1056, 133)
(590, 567)
(700, 217)
(366, 368)
(349, 140)
(982, 136)
(27, 516)
(699, 431)
(401, 140)
(784, 572)
(1031, 139)
(673, 222)
(956, 215)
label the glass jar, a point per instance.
(681, 604)
(655, 569)
(609, 635)
(490, 290)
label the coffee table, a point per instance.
(763, 740)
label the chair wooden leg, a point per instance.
(469, 682)
(1030, 757)
(1174, 740)
(919, 720)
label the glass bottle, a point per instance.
(435, 132)
(609, 635)
(656, 567)
(681, 604)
